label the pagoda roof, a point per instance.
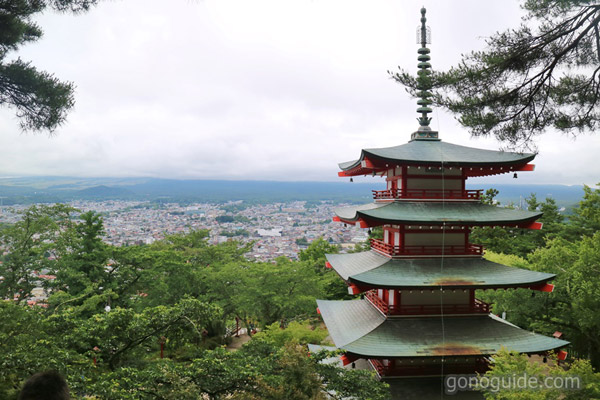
(372, 269)
(436, 213)
(438, 153)
(357, 327)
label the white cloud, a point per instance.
(260, 89)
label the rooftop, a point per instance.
(359, 328)
(374, 270)
(436, 213)
(436, 153)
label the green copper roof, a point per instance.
(360, 315)
(357, 327)
(374, 270)
(436, 213)
(440, 153)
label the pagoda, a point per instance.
(416, 314)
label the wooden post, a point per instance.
(162, 341)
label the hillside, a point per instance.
(60, 189)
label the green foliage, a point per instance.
(302, 241)
(572, 307)
(543, 74)
(259, 370)
(241, 219)
(222, 219)
(181, 291)
(315, 253)
(571, 250)
(30, 344)
(234, 207)
(40, 99)
(511, 364)
(489, 196)
(519, 241)
(264, 292)
(586, 220)
(29, 242)
(83, 256)
(332, 287)
(297, 332)
(237, 232)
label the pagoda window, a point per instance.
(449, 297)
(391, 298)
(392, 183)
(391, 235)
(386, 296)
(434, 183)
(434, 239)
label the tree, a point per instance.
(509, 365)
(84, 256)
(572, 307)
(528, 79)
(124, 337)
(29, 344)
(265, 292)
(40, 99)
(259, 370)
(29, 244)
(587, 214)
(314, 257)
(519, 241)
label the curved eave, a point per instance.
(379, 160)
(372, 270)
(438, 213)
(478, 162)
(425, 336)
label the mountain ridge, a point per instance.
(27, 190)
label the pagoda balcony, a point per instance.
(480, 365)
(426, 194)
(389, 250)
(478, 307)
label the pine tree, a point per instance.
(40, 99)
(528, 79)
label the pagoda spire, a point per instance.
(424, 82)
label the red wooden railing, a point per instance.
(371, 295)
(480, 365)
(430, 309)
(454, 250)
(478, 307)
(437, 194)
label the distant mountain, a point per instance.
(565, 196)
(254, 190)
(104, 192)
(60, 189)
(40, 189)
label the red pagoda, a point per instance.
(417, 314)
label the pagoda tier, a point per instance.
(370, 270)
(435, 214)
(362, 331)
(425, 154)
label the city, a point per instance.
(276, 229)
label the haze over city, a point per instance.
(270, 90)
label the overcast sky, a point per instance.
(254, 89)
